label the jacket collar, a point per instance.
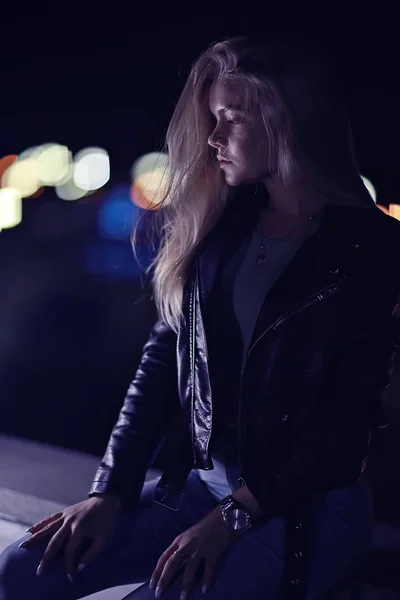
(326, 258)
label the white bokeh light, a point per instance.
(370, 187)
(10, 208)
(153, 161)
(34, 151)
(69, 191)
(91, 169)
(22, 175)
(54, 164)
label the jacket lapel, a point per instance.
(320, 264)
(325, 259)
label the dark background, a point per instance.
(82, 75)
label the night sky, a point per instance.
(82, 75)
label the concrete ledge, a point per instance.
(38, 479)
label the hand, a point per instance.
(205, 541)
(90, 522)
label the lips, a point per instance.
(222, 159)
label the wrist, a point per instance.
(216, 517)
(235, 516)
(105, 496)
(244, 497)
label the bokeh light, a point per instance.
(5, 163)
(150, 178)
(54, 164)
(370, 188)
(22, 175)
(384, 209)
(92, 169)
(10, 208)
(117, 215)
(69, 191)
(149, 162)
(394, 211)
(34, 151)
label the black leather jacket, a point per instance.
(312, 386)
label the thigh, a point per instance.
(252, 567)
(130, 556)
(342, 534)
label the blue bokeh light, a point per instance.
(111, 255)
(118, 215)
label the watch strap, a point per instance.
(230, 502)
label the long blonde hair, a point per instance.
(308, 129)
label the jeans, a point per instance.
(251, 567)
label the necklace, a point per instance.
(261, 257)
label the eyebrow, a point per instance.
(230, 107)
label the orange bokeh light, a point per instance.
(139, 198)
(36, 194)
(384, 209)
(6, 162)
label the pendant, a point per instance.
(261, 258)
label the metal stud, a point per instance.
(334, 271)
(295, 581)
(298, 555)
(299, 526)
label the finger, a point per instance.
(71, 547)
(38, 526)
(190, 573)
(50, 529)
(92, 552)
(160, 566)
(172, 566)
(208, 575)
(53, 547)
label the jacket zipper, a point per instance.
(320, 295)
(192, 363)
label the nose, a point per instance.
(216, 140)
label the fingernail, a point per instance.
(70, 578)
(159, 591)
(21, 545)
(81, 567)
(28, 530)
(39, 569)
(204, 589)
(152, 583)
(182, 596)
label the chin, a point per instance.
(236, 181)
(233, 180)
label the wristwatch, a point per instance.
(235, 516)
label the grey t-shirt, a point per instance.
(234, 308)
(253, 281)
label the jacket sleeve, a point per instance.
(149, 407)
(356, 392)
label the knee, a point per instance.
(18, 571)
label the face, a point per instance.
(238, 137)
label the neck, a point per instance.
(293, 210)
(293, 200)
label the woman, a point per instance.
(263, 378)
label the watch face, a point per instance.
(237, 519)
